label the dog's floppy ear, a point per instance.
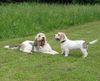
(35, 42)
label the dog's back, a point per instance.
(74, 44)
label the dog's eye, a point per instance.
(39, 35)
(58, 34)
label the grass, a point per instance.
(18, 66)
(25, 19)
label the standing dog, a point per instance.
(67, 44)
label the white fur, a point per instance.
(93, 42)
(45, 49)
(7, 46)
(25, 46)
(68, 44)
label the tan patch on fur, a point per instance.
(40, 42)
(85, 45)
(62, 37)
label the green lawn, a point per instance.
(18, 66)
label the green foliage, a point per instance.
(18, 20)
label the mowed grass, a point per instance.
(18, 66)
(25, 19)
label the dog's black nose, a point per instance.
(42, 37)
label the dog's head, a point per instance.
(40, 39)
(60, 36)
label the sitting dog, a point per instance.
(67, 44)
(41, 45)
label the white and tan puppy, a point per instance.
(41, 45)
(67, 44)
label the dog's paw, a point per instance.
(84, 56)
(66, 55)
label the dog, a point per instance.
(67, 44)
(41, 45)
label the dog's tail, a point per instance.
(93, 42)
(12, 47)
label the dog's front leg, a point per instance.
(66, 52)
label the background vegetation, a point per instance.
(25, 19)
